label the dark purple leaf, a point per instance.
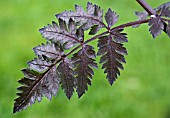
(111, 53)
(39, 65)
(71, 26)
(60, 34)
(67, 77)
(86, 20)
(53, 66)
(164, 5)
(48, 50)
(111, 17)
(143, 15)
(118, 36)
(162, 10)
(26, 81)
(84, 61)
(62, 25)
(80, 34)
(156, 25)
(29, 73)
(165, 11)
(94, 29)
(34, 88)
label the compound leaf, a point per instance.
(41, 78)
(52, 65)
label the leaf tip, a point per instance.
(14, 111)
(111, 81)
(69, 97)
(79, 95)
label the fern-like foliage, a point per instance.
(41, 78)
(74, 70)
(36, 85)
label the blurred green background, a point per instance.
(142, 90)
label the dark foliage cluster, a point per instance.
(52, 67)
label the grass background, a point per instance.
(142, 90)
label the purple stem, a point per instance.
(146, 6)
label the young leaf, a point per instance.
(36, 85)
(83, 61)
(86, 20)
(67, 77)
(112, 55)
(156, 25)
(111, 18)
